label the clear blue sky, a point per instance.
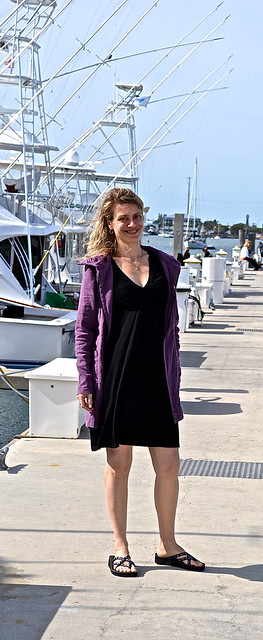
(224, 131)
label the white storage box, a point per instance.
(182, 293)
(54, 411)
(205, 292)
(213, 273)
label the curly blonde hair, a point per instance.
(100, 240)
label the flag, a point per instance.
(142, 101)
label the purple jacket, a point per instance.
(93, 326)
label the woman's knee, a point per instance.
(119, 460)
(165, 461)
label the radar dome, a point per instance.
(72, 158)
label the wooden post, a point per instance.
(252, 237)
(241, 237)
(178, 233)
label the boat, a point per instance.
(30, 334)
(48, 193)
(195, 243)
(192, 237)
(152, 231)
(44, 204)
(165, 234)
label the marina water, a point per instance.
(166, 244)
(13, 415)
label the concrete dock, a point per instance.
(55, 533)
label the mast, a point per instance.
(195, 194)
(188, 209)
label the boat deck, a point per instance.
(55, 534)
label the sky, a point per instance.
(223, 131)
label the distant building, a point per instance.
(194, 225)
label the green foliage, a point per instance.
(223, 228)
(210, 225)
(235, 227)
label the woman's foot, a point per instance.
(182, 558)
(122, 566)
(121, 562)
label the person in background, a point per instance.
(186, 254)
(127, 350)
(260, 251)
(206, 253)
(180, 259)
(245, 255)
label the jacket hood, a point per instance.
(95, 260)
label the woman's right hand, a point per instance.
(85, 401)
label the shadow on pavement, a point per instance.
(27, 610)
(210, 407)
(253, 572)
(198, 390)
(192, 358)
(16, 469)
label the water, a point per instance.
(166, 244)
(13, 415)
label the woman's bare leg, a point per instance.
(166, 465)
(116, 491)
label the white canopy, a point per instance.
(10, 289)
(11, 226)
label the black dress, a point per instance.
(136, 407)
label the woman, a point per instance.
(245, 255)
(127, 356)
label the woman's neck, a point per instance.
(134, 252)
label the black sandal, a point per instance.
(117, 561)
(181, 560)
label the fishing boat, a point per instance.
(30, 334)
(47, 194)
(42, 222)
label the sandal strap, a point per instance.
(185, 557)
(119, 561)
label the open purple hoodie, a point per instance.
(93, 326)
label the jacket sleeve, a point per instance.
(86, 331)
(177, 336)
(177, 273)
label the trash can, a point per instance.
(54, 411)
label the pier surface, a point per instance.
(55, 534)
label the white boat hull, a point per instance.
(35, 340)
(195, 244)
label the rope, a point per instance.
(52, 243)
(11, 386)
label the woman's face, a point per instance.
(127, 223)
